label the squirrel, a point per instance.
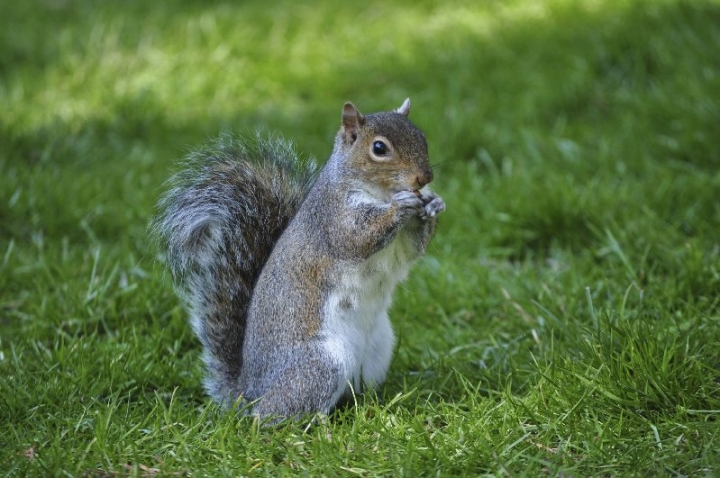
(287, 273)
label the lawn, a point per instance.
(566, 321)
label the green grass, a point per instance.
(567, 318)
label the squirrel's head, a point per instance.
(385, 150)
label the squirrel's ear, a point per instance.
(404, 108)
(352, 120)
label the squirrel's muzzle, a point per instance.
(424, 178)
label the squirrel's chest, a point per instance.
(356, 329)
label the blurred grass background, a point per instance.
(566, 320)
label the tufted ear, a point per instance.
(405, 108)
(352, 121)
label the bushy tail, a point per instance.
(217, 225)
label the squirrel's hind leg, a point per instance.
(308, 386)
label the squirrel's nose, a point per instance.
(425, 177)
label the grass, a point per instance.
(566, 321)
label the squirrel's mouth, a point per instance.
(416, 192)
(419, 192)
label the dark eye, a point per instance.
(379, 148)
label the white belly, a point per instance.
(356, 331)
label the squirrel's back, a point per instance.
(218, 223)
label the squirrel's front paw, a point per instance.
(408, 203)
(434, 205)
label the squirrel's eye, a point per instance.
(379, 148)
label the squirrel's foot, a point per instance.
(434, 206)
(408, 203)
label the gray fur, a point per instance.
(217, 224)
(256, 246)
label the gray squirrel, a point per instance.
(288, 274)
